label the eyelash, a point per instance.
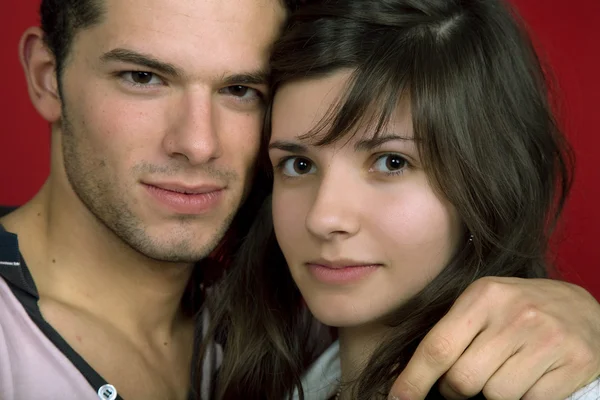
(146, 86)
(396, 172)
(259, 95)
(281, 164)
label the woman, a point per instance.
(413, 151)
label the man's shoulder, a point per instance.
(13, 317)
(4, 210)
(30, 365)
(9, 303)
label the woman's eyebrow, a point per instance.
(370, 144)
(290, 147)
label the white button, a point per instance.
(107, 392)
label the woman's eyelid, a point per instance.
(285, 162)
(409, 153)
(291, 157)
(381, 157)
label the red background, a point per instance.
(568, 37)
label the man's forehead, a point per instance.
(219, 9)
(225, 35)
(189, 16)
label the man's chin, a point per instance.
(170, 250)
(176, 260)
(177, 254)
(172, 241)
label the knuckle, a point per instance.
(586, 359)
(583, 365)
(555, 337)
(497, 388)
(494, 392)
(488, 288)
(438, 350)
(528, 316)
(547, 392)
(410, 389)
(464, 382)
(537, 394)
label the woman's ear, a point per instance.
(39, 65)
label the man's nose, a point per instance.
(194, 131)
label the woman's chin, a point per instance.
(341, 317)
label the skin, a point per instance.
(94, 228)
(346, 205)
(111, 265)
(353, 203)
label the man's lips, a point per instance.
(186, 199)
(187, 189)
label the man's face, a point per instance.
(162, 114)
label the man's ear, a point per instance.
(39, 66)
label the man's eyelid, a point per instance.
(123, 66)
(127, 74)
(261, 90)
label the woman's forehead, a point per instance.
(307, 110)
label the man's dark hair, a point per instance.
(62, 19)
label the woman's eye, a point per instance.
(296, 166)
(390, 163)
(142, 78)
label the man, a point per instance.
(156, 110)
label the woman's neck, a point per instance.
(357, 345)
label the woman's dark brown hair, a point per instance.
(489, 143)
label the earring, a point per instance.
(470, 240)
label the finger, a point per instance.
(545, 352)
(440, 348)
(559, 384)
(519, 374)
(486, 355)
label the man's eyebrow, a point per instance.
(133, 57)
(290, 147)
(260, 77)
(370, 144)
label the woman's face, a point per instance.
(360, 226)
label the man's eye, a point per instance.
(142, 78)
(242, 92)
(239, 91)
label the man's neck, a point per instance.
(79, 262)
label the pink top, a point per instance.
(31, 367)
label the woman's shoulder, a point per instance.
(322, 378)
(589, 392)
